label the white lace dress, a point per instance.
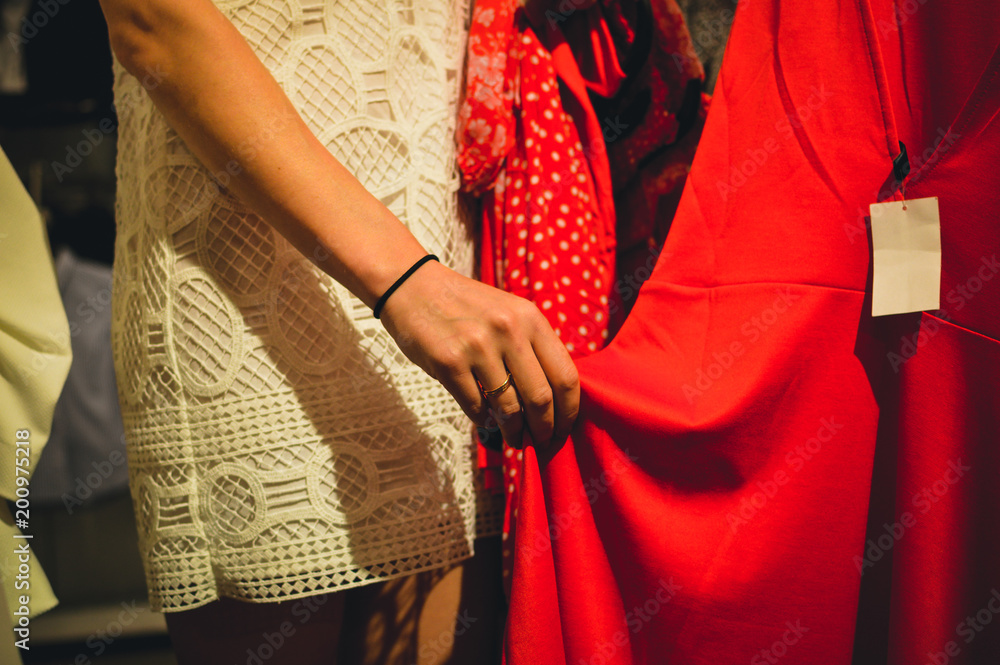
(280, 445)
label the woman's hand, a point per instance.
(466, 334)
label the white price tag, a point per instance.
(906, 240)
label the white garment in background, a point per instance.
(85, 457)
(35, 356)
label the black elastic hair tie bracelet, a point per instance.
(399, 282)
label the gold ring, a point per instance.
(496, 391)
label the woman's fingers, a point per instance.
(465, 390)
(467, 393)
(503, 406)
(564, 382)
(535, 395)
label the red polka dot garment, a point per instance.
(548, 235)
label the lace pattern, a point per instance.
(280, 444)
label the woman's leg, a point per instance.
(452, 616)
(297, 632)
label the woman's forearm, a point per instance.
(236, 119)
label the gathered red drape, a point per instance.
(762, 472)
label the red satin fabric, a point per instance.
(763, 473)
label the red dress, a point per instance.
(763, 472)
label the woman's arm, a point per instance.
(219, 98)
